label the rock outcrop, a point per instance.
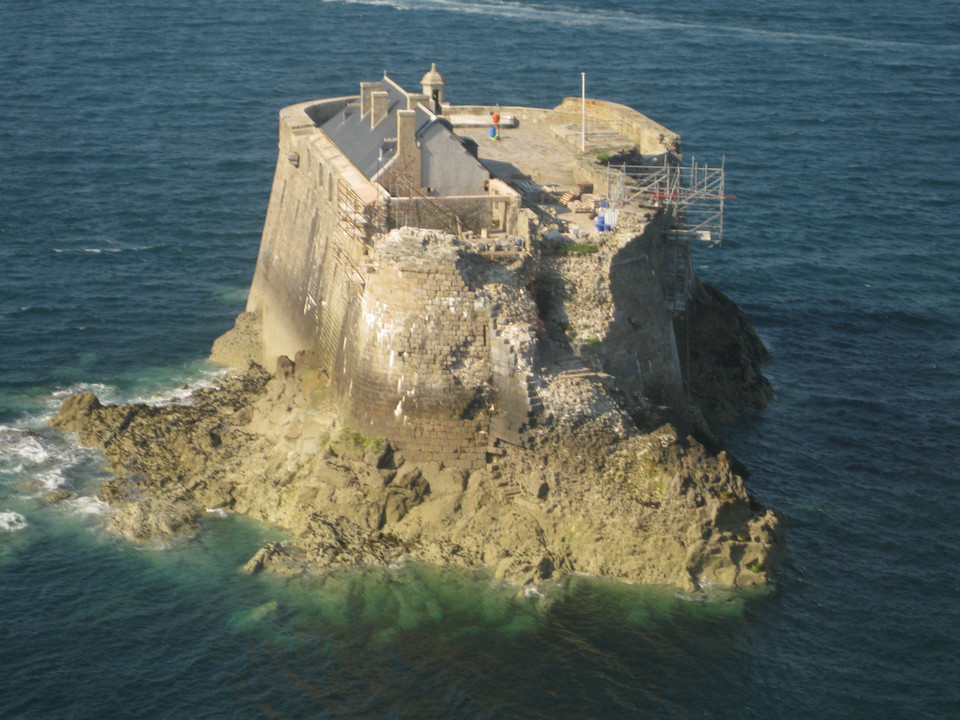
(725, 357)
(589, 492)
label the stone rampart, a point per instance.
(434, 356)
(309, 270)
(393, 319)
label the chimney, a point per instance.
(415, 99)
(366, 89)
(380, 103)
(408, 154)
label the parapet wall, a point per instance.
(650, 137)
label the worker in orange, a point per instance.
(495, 118)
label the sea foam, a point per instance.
(12, 521)
(22, 445)
(88, 505)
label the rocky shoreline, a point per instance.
(592, 490)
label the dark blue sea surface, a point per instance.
(138, 141)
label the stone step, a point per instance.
(510, 490)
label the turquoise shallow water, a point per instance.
(138, 143)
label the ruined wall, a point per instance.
(435, 357)
(640, 345)
(415, 366)
(611, 308)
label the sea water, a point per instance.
(138, 142)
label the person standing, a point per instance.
(495, 118)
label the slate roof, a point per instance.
(370, 149)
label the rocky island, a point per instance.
(487, 347)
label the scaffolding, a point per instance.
(357, 219)
(357, 222)
(694, 193)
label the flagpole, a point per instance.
(583, 112)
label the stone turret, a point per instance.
(433, 85)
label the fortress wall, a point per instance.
(307, 275)
(382, 321)
(650, 137)
(409, 331)
(522, 114)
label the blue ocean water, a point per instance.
(138, 141)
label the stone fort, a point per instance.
(443, 280)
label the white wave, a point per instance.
(51, 479)
(106, 393)
(12, 521)
(626, 20)
(705, 584)
(88, 505)
(23, 445)
(181, 395)
(219, 512)
(96, 250)
(42, 462)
